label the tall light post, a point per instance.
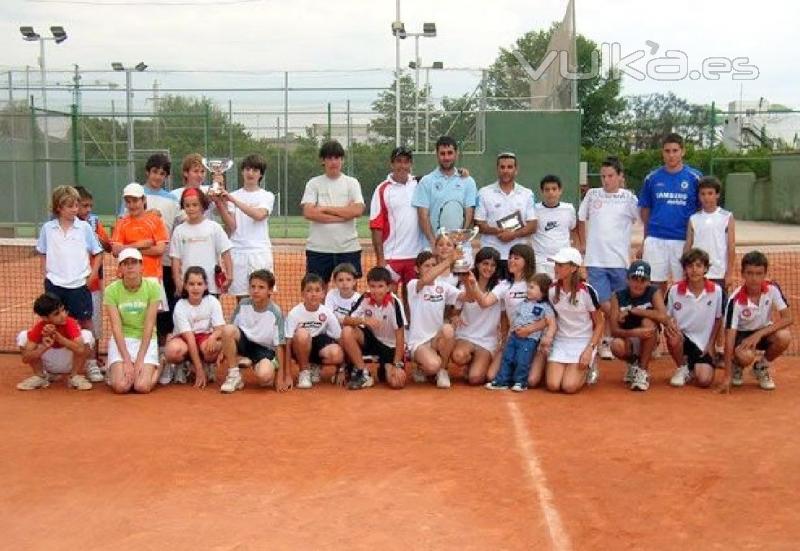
(428, 31)
(59, 35)
(436, 65)
(139, 67)
(399, 32)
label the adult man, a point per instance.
(505, 215)
(667, 199)
(444, 198)
(331, 202)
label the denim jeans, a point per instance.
(516, 363)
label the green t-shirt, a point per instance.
(132, 305)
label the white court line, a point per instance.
(558, 536)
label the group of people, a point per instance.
(549, 289)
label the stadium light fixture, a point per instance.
(429, 29)
(399, 29)
(29, 34)
(141, 66)
(59, 34)
(117, 66)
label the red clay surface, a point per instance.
(420, 468)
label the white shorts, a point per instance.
(245, 263)
(568, 351)
(163, 305)
(151, 357)
(57, 360)
(545, 267)
(664, 257)
(97, 314)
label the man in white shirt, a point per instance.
(505, 215)
(332, 202)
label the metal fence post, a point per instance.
(76, 171)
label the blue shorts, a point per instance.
(606, 281)
(77, 302)
(323, 264)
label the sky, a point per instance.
(354, 35)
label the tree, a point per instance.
(384, 124)
(648, 118)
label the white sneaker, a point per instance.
(79, 382)
(443, 379)
(681, 376)
(419, 376)
(304, 379)
(181, 369)
(518, 387)
(166, 374)
(315, 373)
(592, 374)
(641, 380)
(604, 351)
(737, 378)
(34, 382)
(630, 372)
(93, 372)
(233, 382)
(761, 371)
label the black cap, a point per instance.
(639, 268)
(402, 151)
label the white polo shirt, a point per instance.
(391, 212)
(494, 204)
(337, 237)
(264, 327)
(552, 231)
(481, 325)
(427, 309)
(609, 219)
(322, 320)
(340, 305)
(202, 318)
(695, 315)
(574, 320)
(743, 314)
(389, 312)
(711, 234)
(510, 295)
(67, 253)
(251, 234)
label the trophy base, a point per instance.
(461, 268)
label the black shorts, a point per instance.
(77, 302)
(323, 264)
(164, 323)
(317, 344)
(694, 355)
(762, 344)
(374, 347)
(253, 351)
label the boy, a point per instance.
(312, 331)
(531, 318)
(256, 335)
(194, 174)
(712, 229)
(636, 313)
(343, 295)
(375, 328)
(605, 218)
(555, 228)
(54, 345)
(695, 308)
(246, 220)
(749, 326)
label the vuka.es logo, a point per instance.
(673, 65)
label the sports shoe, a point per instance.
(604, 351)
(519, 387)
(761, 371)
(443, 379)
(79, 382)
(166, 374)
(592, 374)
(33, 382)
(211, 372)
(359, 380)
(233, 382)
(492, 385)
(419, 376)
(315, 373)
(179, 378)
(737, 378)
(681, 376)
(304, 379)
(630, 372)
(641, 380)
(93, 372)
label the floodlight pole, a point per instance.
(128, 111)
(416, 90)
(397, 78)
(48, 178)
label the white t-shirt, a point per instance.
(322, 320)
(251, 233)
(480, 325)
(264, 327)
(711, 234)
(338, 237)
(390, 314)
(427, 309)
(199, 245)
(609, 219)
(695, 315)
(574, 320)
(744, 315)
(494, 204)
(552, 231)
(202, 318)
(510, 295)
(338, 304)
(391, 212)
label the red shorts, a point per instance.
(403, 270)
(199, 338)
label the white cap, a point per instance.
(130, 252)
(133, 190)
(568, 255)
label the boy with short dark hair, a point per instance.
(712, 230)
(556, 227)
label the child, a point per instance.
(605, 219)
(695, 307)
(198, 327)
(256, 336)
(375, 328)
(93, 365)
(54, 345)
(749, 326)
(444, 248)
(194, 174)
(341, 298)
(246, 219)
(531, 318)
(712, 229)
(636, 313)
(312, 331)
(556, 224)
(429, 339)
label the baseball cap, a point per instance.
(567, 255)
(130, 252)
(639, 268)
(133, 190)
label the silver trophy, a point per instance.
(217, 166)
(462, 239)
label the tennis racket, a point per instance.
(451, 216)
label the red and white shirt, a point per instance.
(316, 322)
(743, 314)
(389, 312)
(695, 315)
(391, 212)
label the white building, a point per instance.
(752, 124)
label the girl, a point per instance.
(341, 298)
(131, 304)
(476, 327)
(198, 328)
(580, 325)
(444, 249)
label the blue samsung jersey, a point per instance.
(672, 199)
